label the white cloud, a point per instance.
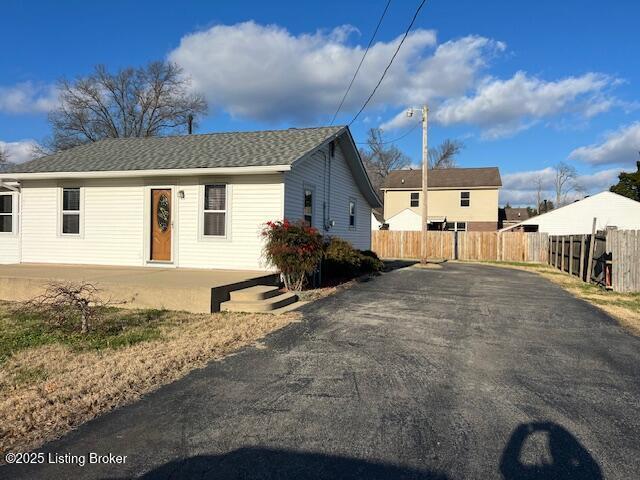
(19, 152)
(619, 147)
(520, 188)
(28, 98)
(267, 73)
(503, 107)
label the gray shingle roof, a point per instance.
(233, 149)
(445, 177)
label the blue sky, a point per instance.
(525, 85)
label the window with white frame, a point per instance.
(6, 213)
(465, 199)
(415, 199)
(456, 226)
(352, 213)
(308, 206)
(215, 210)
(71, 211)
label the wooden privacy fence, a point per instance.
(610, 258)
(624, 246)
(507, 246)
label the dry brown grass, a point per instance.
(624, 307)
(47, 390)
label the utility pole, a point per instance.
(425, 186)
(425, 174)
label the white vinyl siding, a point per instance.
(115, 217)
(112, 218)
(252, 201)
(333, 198)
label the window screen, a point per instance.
(308, 206)
(70, 211)
(352, 213)
(215, 210)
(415, 199)
(464, 199)
(6, 213)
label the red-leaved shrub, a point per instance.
(293, 248)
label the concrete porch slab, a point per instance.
(192, 290)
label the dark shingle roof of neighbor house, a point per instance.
(515, 214)
(445, 177)
(233, 149)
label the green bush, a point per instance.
(370, 253)
(370, 264)
(293, 248)
(342, 261)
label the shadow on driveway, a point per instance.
(535, 451)
(263, 463)
(569, 460)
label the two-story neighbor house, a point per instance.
(458, 199)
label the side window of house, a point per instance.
(415, 199)
(6, 213)
(352, 213)
(461, 226)
(71, 211)
(308, 206)
(215, 210)
(464, 199)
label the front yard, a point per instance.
(53, 378)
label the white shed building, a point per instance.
(608, 208)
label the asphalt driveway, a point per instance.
(465, 372)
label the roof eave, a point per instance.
(170, 172)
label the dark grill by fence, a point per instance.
(610, 258)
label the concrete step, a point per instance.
(255, 293)
(264, 305)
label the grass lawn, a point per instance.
(625, 307)
(53, 378)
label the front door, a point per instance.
(161, 225)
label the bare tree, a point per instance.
(565, 182)
(444, 155)
(539, 187)
(380, 158)
(5, 161)
(4, 155)
(133, 102)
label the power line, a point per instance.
(415, 15)
(361, 61)
(395, 139)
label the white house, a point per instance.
(608, 208)
(409, 220)
(377, 220)
(186, 201)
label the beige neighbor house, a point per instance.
(459, 199)
(197, 201)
